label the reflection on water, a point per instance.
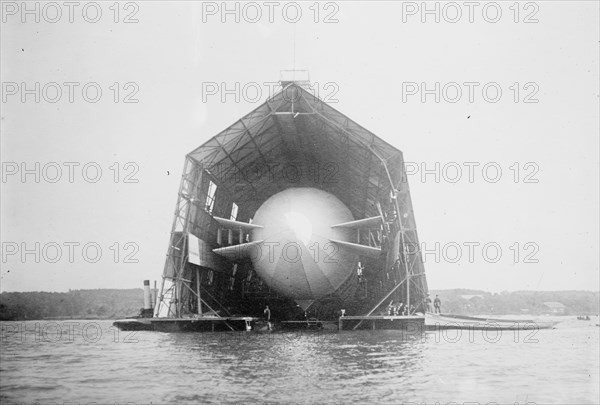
(93, 362)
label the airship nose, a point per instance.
(299, 225)
(297, 257)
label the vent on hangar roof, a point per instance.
(300, 77)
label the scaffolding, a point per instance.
(293, 139)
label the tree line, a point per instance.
(116, 303)
(80, 304)
(473, 302)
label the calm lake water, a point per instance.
(93, 362)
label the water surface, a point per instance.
(93, 362)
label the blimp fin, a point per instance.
(239, 252)
(361, 223)
(229, 223)
(361, 250)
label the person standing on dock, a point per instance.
(427, 302)
(267, 313)
(359, 272)
(399, 308)
(437, 304)
(390, 308)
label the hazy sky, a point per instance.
(372, 55)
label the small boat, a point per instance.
(447, 321)
(131, 324)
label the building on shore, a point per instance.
(554, 308)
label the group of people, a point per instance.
(392, 310)
(437, 304)
(359, 272)
(399, 309)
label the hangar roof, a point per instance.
(294, 139)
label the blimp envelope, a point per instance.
(298, 258)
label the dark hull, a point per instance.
(438, 322)
(134, 324)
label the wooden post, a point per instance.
(198, 292)
(408, 290)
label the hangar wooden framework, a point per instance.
(293, 139)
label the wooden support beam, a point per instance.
(199, 301)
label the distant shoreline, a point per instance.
(106, 304)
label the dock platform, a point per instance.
(407, 323)
(196, 324)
